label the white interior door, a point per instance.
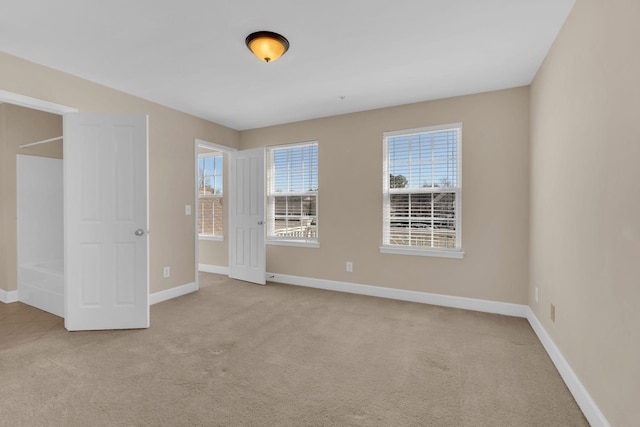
(247, 253)
(106, 221)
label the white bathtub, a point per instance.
(41, 285)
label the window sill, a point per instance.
(440, 253)
(297, 243)
(211, 238)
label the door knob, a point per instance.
(139, 232)
(260, 222)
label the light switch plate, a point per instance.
(187, 209)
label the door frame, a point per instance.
(225, 168)
(34, 104)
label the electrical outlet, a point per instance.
(553, 313)
(166, 272)
(536, 294)
(187, 209)
(349, 266)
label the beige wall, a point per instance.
(19, 126)
(495, 159)
(215, 252)
(171, 157)
(585, 201)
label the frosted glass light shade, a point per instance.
(267, 46)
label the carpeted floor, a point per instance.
(237, 354)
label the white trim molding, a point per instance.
(504, 308)
(217, 269)
(34, 103)
(442, 253)
(214, 146)
(584, 400)
(211, 237)
(8, 296)
(176, 292)
(297, 243)
(586, 403)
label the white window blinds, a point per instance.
(292, 193)
(422, 188)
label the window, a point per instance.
(422, 191)
(210, 195)
(292, 194)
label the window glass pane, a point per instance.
(217, 216)
(205, 215)
(280, 206)
(309, 206)
(399, 205)
(210, 202)
(208, 165)
(420, 164)
(423, 219)
(294, 207)
(201, 175)
(426, 160)
(293, 183)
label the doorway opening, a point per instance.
(211, 211)
(32, 201)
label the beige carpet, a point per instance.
(237, 354)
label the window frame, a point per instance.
(214, 237)
(388, 248)
(270, 238)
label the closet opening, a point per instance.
(33, 149)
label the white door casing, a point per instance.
(106, 221)
(247, 252)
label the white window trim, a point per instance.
(214, 238)
(457, 252)
(412, 250)
(291, 241)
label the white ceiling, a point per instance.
(190, 54)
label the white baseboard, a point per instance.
(507, 309)
(217, 269)
(8, 296)
(591, 411)
(178, 291)
(589, 408)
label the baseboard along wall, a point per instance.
(8, 296)
(584, 400)
(507, 309)
(217, 269)
(586, 403)
(176, 292)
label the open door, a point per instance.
(247, 253)
(105, 221)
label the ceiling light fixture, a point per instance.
(267, 46)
